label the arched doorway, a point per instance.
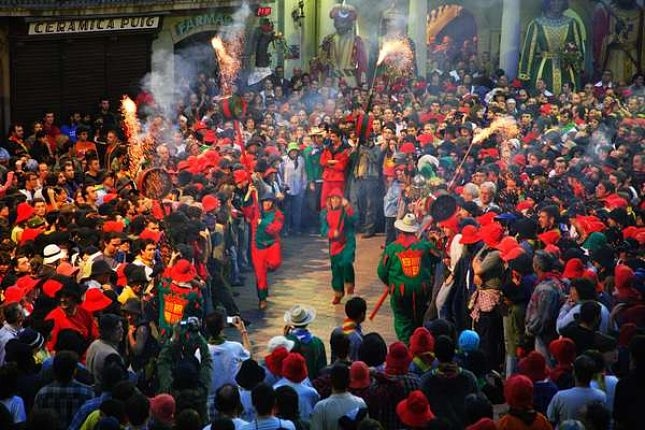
(451, 36)
(194, 55)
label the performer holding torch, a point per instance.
(406, 269)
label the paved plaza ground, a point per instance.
(305, 278)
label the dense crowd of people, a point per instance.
(514, 262)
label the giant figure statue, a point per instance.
(263, 37)
(618, 45)
(396, 28)
(553, 49)
(343, 53)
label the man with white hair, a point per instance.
(486, 200)
(470, 192)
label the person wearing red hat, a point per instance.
(488, 269)
(414, 411)
(563, 351)
(334, 161)
(574, 268)
(273, 364)
(337, 222)
(397, 367)
(518, 392)
(179, 295)
(70, 315)
(294, 374)
(95, 301)
(630, 303)
(422, 351)
(534, 367)
(24, 211)
(266, 222)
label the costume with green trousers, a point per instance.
(406, 269)
(338, 225)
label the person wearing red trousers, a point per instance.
(266, 221)
(334, 160)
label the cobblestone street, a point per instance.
(305, 278)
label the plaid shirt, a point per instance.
(410, 382)
(65, 399)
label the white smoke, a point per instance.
(168, 82)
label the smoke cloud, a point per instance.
(174, 71)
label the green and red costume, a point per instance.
(342, 249)
(406, 269)
(333, 176)
(265, 243)
(177, 302)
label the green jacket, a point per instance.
(311, 348)
(171, 354)
(345, 220)
(406, 265)
(313, 169)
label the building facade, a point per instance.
(59, 55)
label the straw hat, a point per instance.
(407, 224)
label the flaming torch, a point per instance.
(227, 54)
(132, 131)
(506, 126)
(398, 53)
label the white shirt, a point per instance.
(271, 423)
(327, 412)
(239, 423)
(227, 359)
(7, 332)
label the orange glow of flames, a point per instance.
(398, 52)
(132, 130)
(228, 53)
(507, 126)
(129, 111)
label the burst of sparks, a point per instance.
(397, 51)
(132, 131)
(129, 110)
(228, 54)
(506, 125)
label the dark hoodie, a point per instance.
(446, 387)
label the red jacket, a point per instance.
(82, 321)
(337, 171)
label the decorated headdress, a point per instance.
(343, 11)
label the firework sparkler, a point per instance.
(506, 126)
(132, 132)
(227, 53)
(398, 52)
(399, 56)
